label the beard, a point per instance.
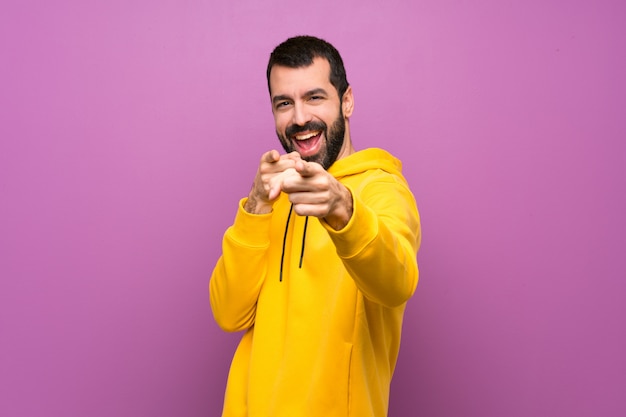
(333, 138)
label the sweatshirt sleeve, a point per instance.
(379, 244)
(235, 285)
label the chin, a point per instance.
(318, 158)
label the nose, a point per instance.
(301, 115)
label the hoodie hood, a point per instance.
(365, 160)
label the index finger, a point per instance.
(308, 169)
(294, 156)
(270, 156)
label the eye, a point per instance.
(316, 100)
(282, 104)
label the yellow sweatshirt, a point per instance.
(321, 309)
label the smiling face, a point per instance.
(310, 117)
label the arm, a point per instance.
(239, 273)
(379, 244)
(376, 230)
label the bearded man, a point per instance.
(320, 261)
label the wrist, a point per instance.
(340, 216)
(254, 206)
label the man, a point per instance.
(321, 259)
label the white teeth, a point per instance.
(307, 136)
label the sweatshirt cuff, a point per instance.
(251, 229)
(360, 231)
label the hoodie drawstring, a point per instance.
(282, 255)
(306, 222)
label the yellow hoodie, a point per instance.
(321, 309)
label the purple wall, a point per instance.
(129, 130)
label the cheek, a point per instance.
(331, 114)
(281, 122)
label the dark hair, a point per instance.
(299, 51)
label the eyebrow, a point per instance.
(277, 99)
(309, 93)
(315, 92)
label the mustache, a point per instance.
(295, 129)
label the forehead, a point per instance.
(292, 81)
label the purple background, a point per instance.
(129, 130)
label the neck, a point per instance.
(347, 148)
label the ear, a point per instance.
(347, 102)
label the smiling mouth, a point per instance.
(307, 136)
(308, 143)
